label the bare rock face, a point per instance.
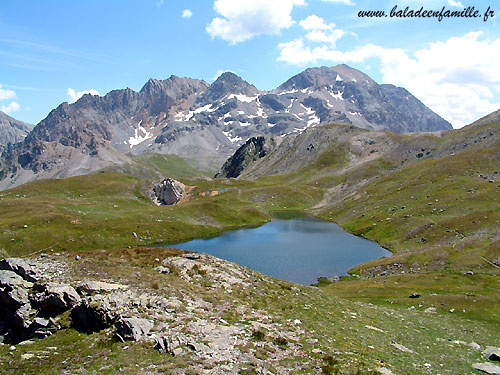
(133, 328)
(21, 267)
(168, 192)
(12, 130)
(54, 298)
(255, 148)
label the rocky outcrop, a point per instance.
(15, 309)
(133, 328)
(253, 149)
(21, 267)
(173, 321)
(53, 299)
(169, 192)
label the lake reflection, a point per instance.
(297, 250)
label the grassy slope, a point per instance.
(152, 166)
(102, 210)
(440, 217)
(337, 332)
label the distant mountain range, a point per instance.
(12, 130)
(204, 123)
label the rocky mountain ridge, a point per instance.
(191, 118)
(12, 130)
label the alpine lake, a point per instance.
(299, 249)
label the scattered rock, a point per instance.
(415, 295)
(374, 328)
(198, 347)
(133, 328)
(26, 356)
(492, 353)
(89, 287)
(401, 347)
(26, 342)
(431, 310)
(488, 368)
(162, 269)
(163, 344)
(475, 345)
(192, 256)
(41, 328)
(134, 234)
(384, 371)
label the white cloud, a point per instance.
(456, 78)
(313, 22)
(242, 20)
(186, 13)
(457, 4)
(11, 108)
(345, 2)
(6, 94)
(77, 95)
(320, 31)
(320, 36)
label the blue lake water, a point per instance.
(298, 250)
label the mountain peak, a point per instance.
(227, 83)
(348, 73)
(321, 76)
(152, 86)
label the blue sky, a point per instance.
(51, 51)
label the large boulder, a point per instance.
(15, 309)
(168, 192)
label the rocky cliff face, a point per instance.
(253, 149)
(190, 118)
(12, 130)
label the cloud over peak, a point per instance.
(455, 77)
(244, 19)
(77, 95)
